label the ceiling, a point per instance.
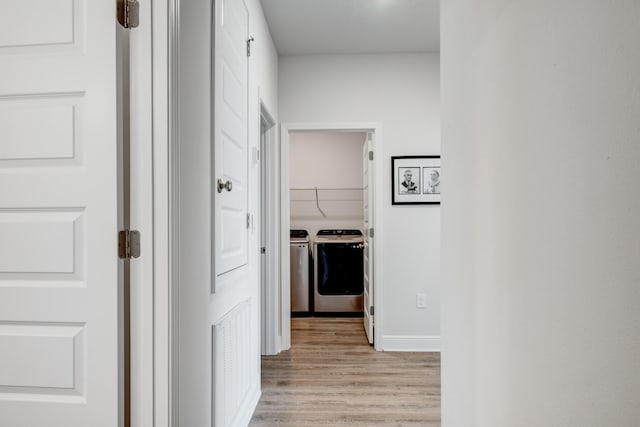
(318, 27)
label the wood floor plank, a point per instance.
(333, 377)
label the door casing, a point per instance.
(269, 213)
(285, 290)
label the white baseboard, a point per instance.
(410, 343)
(248, 408)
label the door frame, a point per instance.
(269, 213)
(158, 76)
(149, 274)
(285, 214)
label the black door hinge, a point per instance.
(249, 40)
(128, 244)
(129, 13)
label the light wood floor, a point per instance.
(332, 377)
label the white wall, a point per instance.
(541, 242)
(402, 93)
(198, 308)
(331, 161)
(326, 159)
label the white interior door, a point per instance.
(235, 354)
(230, 135)
(368, 194)
(58, 214)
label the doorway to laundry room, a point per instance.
(329, 211)
(326, 216)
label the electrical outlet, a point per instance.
(421, 300)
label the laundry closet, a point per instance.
(327, 208)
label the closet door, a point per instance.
(230, 125)
(59, 277)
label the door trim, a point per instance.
(270, 298)
(143, 269)
(162, 50)
(285, 129)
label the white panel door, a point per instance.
(230, 135)
(58, 214)
(368, 194)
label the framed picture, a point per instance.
(415, 180)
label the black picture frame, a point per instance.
(415, 180)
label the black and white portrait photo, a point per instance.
(415, 180)
(410, 183)
(431, 179)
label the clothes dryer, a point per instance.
(338, 271)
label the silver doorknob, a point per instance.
(224, 186)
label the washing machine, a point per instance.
(300, 256)
(338, 271)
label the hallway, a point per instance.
(331, 376)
